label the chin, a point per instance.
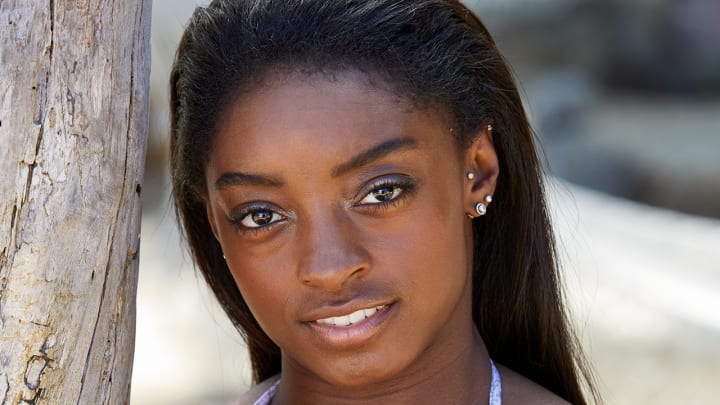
(357, 374)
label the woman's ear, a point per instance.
(481, 171)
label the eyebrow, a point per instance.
(373, 154)
(245, 179)
(232, 179)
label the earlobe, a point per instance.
(482, 171)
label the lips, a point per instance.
(351, 328)
(352, 318)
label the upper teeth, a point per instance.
(350, 319)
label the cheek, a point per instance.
(427, 249)
(263, 288)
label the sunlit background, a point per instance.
(625, 97)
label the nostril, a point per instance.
(330, 252)
(331, 269)
(358, 271)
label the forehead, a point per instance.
(302, 118)
(295, 99)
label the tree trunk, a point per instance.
(74, 80)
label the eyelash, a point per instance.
(405, 185)
(237, 220)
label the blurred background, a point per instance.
(625, 98)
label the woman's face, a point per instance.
(341, 211)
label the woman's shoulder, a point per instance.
(255, 392)
(517, 389)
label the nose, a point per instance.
(332, 253)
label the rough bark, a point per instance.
(74, 80)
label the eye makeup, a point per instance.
(255, 217)
(387, 192)
(375, 197)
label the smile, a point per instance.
(350, 319)
(352, 329)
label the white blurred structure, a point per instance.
(644, 285)
(187, 351)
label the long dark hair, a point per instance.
(430, 52)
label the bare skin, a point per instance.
(342, 212)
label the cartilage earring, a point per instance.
(481, 209)
(470, 175)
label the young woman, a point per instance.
(358, 184)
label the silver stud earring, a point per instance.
(489, 128)
(470, 175)
(488, 199)
(481, 209)
(224, 258)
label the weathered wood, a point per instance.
(74, 80)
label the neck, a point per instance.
(460, 377)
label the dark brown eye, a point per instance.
(382, 194)
(385, 193)
(259, 218)
(262, 217)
